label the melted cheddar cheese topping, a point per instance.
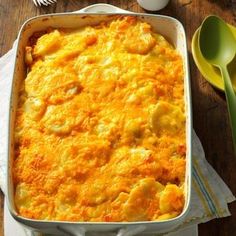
(100, 126)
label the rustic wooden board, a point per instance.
(209, 107)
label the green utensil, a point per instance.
(218, 46)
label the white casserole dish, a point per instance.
(174, 32)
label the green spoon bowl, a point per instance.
(218, 47)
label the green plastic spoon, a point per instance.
(218, 46)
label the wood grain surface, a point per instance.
(210, 119)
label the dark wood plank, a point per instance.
(209, 107)
(1, 212)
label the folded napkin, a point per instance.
(210, 195)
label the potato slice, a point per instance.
(166, 118)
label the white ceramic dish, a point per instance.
(168, 27)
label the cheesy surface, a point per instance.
(100, 126)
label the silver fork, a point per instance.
(44, 2)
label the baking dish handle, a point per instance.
(102, 8)
(80, 231)
(131, 230)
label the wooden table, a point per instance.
(210, 117)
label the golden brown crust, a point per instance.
(100, 127)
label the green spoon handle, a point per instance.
(231, 102)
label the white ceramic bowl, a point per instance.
(153, 5)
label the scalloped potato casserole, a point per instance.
(100, 125)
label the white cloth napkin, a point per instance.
(210, 195)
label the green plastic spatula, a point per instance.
(218, 47)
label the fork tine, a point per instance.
(39, 2)
(48, 2)
(35, 2)
(52, 1)
(44, 2)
